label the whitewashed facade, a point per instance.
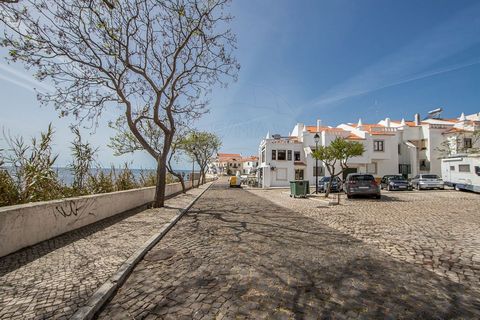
(391, 147)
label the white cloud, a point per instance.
(28, 82)
(405, 65)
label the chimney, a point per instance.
(359, 123)
(417, 119)
(387, 122)
(319, 123)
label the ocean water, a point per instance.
(65, 174)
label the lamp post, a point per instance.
(316, 138)
(193, 169)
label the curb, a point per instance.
(109, 287)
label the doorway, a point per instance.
(298, 174)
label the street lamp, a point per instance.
(316, 138)
(193, 168)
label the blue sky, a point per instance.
(302, 60)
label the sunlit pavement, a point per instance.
(239, 255)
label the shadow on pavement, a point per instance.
(240, 256)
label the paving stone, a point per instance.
(56, 277)
(256, 257)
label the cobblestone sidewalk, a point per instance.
(236, 255)
(438, 230)
(54, 278)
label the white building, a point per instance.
(391, 147)
(233, 163)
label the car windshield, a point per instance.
(326, 179)
(429, 176)
(362, 178)
(396, 178)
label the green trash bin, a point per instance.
(299, 188)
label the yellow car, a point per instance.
(235, 182)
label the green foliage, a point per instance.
(100, 182)
(32, 165)
(201, 146)
(8, 191)
(83, 155)
(125, 179)
(338, 153)
(147, 178)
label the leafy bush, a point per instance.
(125, 179)
(8, 190)
(32, 167)
(100, 182)
(148, 178)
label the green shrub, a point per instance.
(8, 190)
(125, 179)
(100, 182)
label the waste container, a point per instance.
(299, 188)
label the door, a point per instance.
(298, 174)
(347, 171)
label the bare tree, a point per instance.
(157, 60)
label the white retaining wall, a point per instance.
(27, 224)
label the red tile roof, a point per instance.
(313, 129)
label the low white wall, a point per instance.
(27, 224)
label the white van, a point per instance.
(462, 172)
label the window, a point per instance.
(282, 174)
(263, 155)
(274, 154)
(289, 155)
(452, 168)
(298, 174)
(467, 143)
(424, 165)
(399, 148)
(404, 169)
(464, 168)
(320, 172)
(281, 155)
(372, 167)
(378, 145)
(423, 144)
(296, 155)
(477, 170)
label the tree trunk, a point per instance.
(161, 183)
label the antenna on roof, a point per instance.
(435, 114)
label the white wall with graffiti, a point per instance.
(27, 224)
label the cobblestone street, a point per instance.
(438, 230)
(238, 255)
(54, 278)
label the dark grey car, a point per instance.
(335, 187)
(361, 184)
(395, 182)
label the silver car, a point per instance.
(427, 181)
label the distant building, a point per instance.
(231, 163)
(391, 147)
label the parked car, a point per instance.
(427, 181)
(335, 187)
(235, 181)
(361, 184)
(395, 182)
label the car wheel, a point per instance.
(349, 196)
(378, 196)
(456, 187)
